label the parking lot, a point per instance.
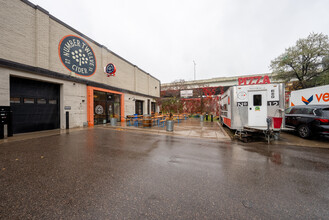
(118, 173)
(193, 128)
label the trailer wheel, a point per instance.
(304, 131)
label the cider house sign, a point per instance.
(77, 56)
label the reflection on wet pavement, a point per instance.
(112, 174)
(187, 128)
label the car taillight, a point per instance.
(322, 120)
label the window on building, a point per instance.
(153, 110)
(15, 100)
(41, 101)
(52, 101)
(28, 101)
(139, 107)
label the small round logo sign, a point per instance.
(77, 56)
(110, 69)
(242, 95)
(99, 109)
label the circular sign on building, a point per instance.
(110, 69)
(77, 56)
(99, 109)
(242, 95)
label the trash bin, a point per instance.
(277, 122)
(201, 118)
(170, 125)
(114, 121)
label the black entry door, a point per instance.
(139, 107)
(110, 112)
(35, 105)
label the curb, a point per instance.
(223, 130)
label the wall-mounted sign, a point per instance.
(272, 103)
(242, 104)
(77, 56)
(242, 95)
(254, 80)
(99, 109)
(186, 93)
(110, 69)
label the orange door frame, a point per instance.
(90, 103)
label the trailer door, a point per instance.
(257, 112)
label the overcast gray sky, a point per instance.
(223, 37)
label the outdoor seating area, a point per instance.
(179, 125)
(153, 120)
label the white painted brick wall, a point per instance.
(4, 87)
(130, 104)
(17, 28)
(30, 37)
(42, 40)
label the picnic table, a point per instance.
(152, 120)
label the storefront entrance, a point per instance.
(106, 106)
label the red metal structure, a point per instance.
(205, 99)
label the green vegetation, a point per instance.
(307, 61)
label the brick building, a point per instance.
(199, 96)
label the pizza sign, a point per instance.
(253, 80)
(77, 56)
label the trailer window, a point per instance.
(257, 100)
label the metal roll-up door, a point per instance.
(35, 105)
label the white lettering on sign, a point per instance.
(186, 93)
(273, 103)
(77, 56)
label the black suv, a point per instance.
(308, 119)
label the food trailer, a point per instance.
(252, 109)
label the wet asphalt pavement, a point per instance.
(101, 173)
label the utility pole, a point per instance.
(194, 69)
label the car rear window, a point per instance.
(308, 111)
(325, 112)
(297, 111)
(294, 111)
(300, 111)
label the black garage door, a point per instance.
(35, 105)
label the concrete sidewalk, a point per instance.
(187, 128)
